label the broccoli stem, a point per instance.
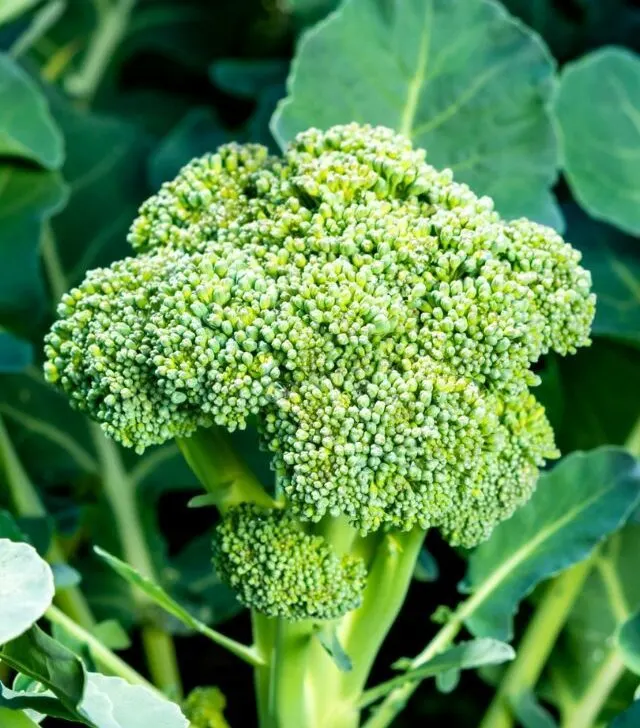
(585, 712)
(537, 644)
(388, 582)
(222, 473)
(302, 685)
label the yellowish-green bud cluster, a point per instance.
(204, 708)
(377, 318)
(281, 571)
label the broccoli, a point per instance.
(281, 571)
(378, 322)
(205, 708)
(375, 318)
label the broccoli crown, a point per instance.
(281, 571)
(204, 708)
(378, 319)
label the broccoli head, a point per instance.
(281, 571)
(377, 319)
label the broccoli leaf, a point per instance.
(105, 169)
(576, 505)
(531, 714)
(612, 257)
(598, 110)
(15, 354)
(464, 656)
(464, 80)
(629, 719)
(629, 642)
(45, 660)
(28, 197)
(27, 129)
(26, 588)
(111, 702)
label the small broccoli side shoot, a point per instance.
(376, 318)
(280, 571)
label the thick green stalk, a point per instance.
(302, 687)
(264, 634)
(365, 629)
(584, 713)
(222, 473)
(537, 644)
(26, 502)
(121, 495)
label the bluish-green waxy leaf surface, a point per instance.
(576, 505)
(598, 110)
(629, 643)
(463, 80)
(111, 702)
(28, 197)
(26, 588)
(27, 129)
(613, 259)
(629, 719)
(15, 354)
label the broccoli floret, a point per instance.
(281, 571)
(376, 318)
(205, 708)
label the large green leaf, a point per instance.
(598, 110)
(111, 702)
(27, 129)
(200, 131)
(52, 439)
(629, 719)
(26, 588)
(40, 657)
(608, 372)
(614, 261)
(27, 198)
(464, 80)
(105, 169)
(15, 354)
(576, 505)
